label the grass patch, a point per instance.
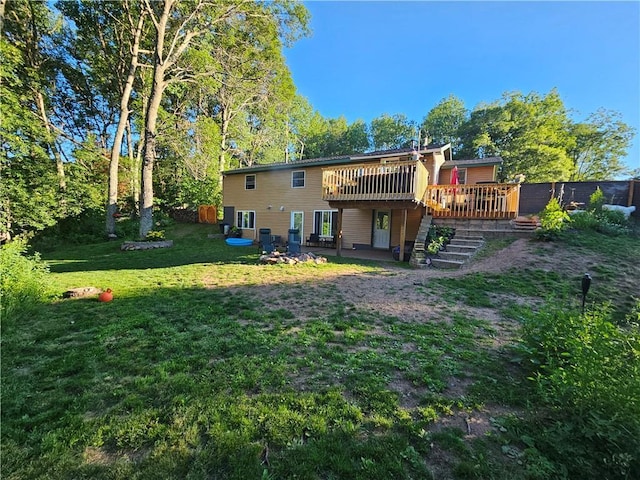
(191, 373)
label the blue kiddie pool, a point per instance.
(239, 242)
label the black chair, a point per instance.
(266, 244)
(313, 240)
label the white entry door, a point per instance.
(381, 229)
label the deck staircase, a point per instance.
(458, 252)
(460, 249)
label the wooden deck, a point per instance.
(402, 184)
(491, 201)
(393, 181)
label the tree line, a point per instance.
(140, 104)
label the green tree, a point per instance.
(186, 34)
(328, 137)
(389, 132)
(443, 122)
(104, 42)
(530, 133)
(31, 168)
(600, 144)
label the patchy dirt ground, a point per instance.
(402, 296)
(405, 294)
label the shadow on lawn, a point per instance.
(108, 256)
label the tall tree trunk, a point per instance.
(2, 5)
(51, 144)
(157, 90)
(112, 203)
(135, 161)
(224, 132)
(149, 155)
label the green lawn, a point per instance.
(184, 375)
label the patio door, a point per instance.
(381, 228)
(297, 221)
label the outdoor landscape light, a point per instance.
(586, 283)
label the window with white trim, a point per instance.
(246, 219)
(297, 179)
(325, 222)
(249, 182)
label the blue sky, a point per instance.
(366, 58)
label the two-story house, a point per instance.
(373, 200)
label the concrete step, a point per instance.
(446, 255)
(452, 247)
(476, 238)
(464, 241)
(442, 263)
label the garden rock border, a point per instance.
(126, 246)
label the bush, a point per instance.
(84, 228)
(155, 235)
(596, 201)
(23, 283)
(553, 219)
(609, 222)
(586, 375)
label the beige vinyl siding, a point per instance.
(414, 217)
(273, 189)
(485, 173)
(481, 174)
(356, 227)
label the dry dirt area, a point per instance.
(401, 297)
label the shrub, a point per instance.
(83, 228)
(609, 222)
(155, 235)
(553, 219)
(586, 375)
(23, 283)
(596, 201)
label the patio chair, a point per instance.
(313, 240)
(265, 244)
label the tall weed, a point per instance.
(23, 279)
(586, 375)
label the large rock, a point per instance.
(81, 292)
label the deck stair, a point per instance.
(459, 250)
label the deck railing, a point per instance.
(389, 181)
(499, 200)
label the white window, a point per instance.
(246, 219)
(249, 182)
(297, 179)
(325, 222)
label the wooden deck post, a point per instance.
(403, 233)
(339, 239)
